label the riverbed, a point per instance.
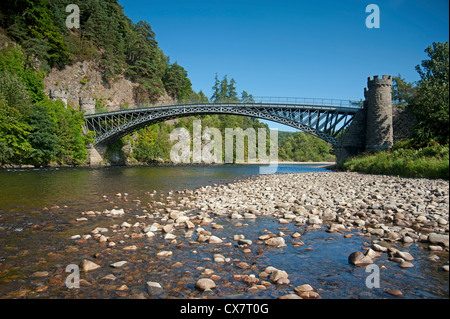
(171, 226)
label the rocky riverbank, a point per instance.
(306, 235)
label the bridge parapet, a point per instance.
(279, 101)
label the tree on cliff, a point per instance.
(176, 82)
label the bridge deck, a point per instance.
(323, 121)
(340, 109)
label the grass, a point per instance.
(404, 159)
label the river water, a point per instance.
(39, 208)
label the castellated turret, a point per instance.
(87, 105)
(379, 130)
(59, 95)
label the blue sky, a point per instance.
(293, 48)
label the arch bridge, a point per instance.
(324, 118)
(351, 127)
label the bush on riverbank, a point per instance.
(404, 159)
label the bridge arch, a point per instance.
(325, 122)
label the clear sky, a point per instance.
(293, 48)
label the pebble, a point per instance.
(40, 274)
(164, 253)
(394, 292)
(154, 288)
(405, 264)
(310, 295)
(118, 264)
(405, 255)
(290, 296)
(205, 283)
(358, 258)
(243, 265)
(87, 265)
(303, 288)
(110, 277)
(215, 240)
(276, 242)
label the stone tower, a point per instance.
(378, 104)
(87, 105)
(59, 95)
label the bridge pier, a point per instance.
(372, 127)
(96, 155)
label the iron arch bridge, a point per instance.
(324, 118)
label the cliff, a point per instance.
(85, 80)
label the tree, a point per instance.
(402, 92)
(43, 139)
(12, 60)
(216, 89)
(152, 144)
(14, 146)
(15, 94)
(431, 105)
(247, 98)
(231, 95)
(224, 91)
(176, 82)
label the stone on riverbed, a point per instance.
(154, 288)
(441, 239)
(87, 265)
(405, 264)
(276, 242)
(205, 283)
(164, 253)
(118, 264)
(303, 288)
(358, 258)
(405, 255)
(214, 240)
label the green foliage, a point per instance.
(431, 105)
(152, 144)
(34, 19)
(146, 63)
(303, 147)
(15, 94)
(430, 161)
(403, 92)
(177, 83)
(69, 130)
(43, 139)
(14, 146)
(13, 61)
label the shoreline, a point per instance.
(166, 164)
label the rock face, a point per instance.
(82, 83)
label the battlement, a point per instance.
(87, 104)
(58, 94)
(376, 81)
(87, 101)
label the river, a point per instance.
(39, 208)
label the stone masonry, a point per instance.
(372, 128)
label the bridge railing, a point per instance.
(250, 100)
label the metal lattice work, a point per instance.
(325, 122)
